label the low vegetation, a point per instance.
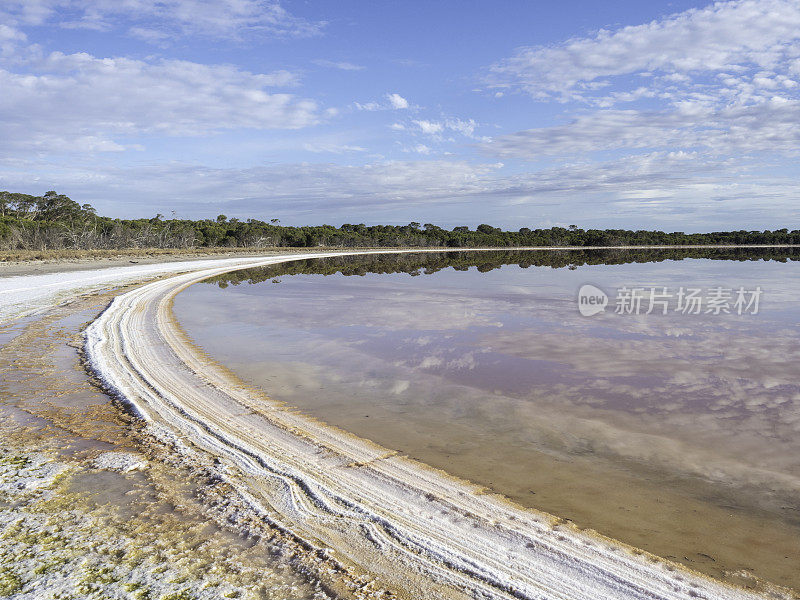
(54, 222)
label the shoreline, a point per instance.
(28, 288)
(214, 411)
(29, 262)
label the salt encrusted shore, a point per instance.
(28, 292)
(416, 529)
(57, 542)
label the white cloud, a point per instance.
(436, 130)
(295, 187)
(397, 101)
(465, 128)
(10, 38)
(369, 106)
(10, 34)
(332, 148)
(430, 127)
(67, 99)
(420, 149)
(393, 102)
(718, 84)
(772, 126)
(156, 37)
(342, 66)
(723, 37)
(659, 190)
(438, 133)
(156, 20)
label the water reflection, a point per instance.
(484, 367)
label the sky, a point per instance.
(679, 116)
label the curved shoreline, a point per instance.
(419, 529)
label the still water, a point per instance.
(676, 433)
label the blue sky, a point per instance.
(671, 115)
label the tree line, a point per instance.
(54, 222)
